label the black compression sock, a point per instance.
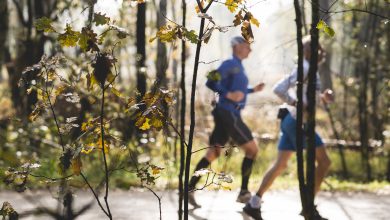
(203, 163)
(246, 170)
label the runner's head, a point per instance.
(306, 41)
(241, 48)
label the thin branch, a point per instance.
(207, 7)
(222, 147)
(159, 199)
(178, 133)
(103, 152)
(206, 184)
(50, 178)
(355, 10)
(94, 194)
(52, 111)
(203, 62)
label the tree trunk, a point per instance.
(3, 33)
(161, 62)
(141, 51)
(29, 51)
(182, 114)
(311, 111)
(364, 71)
(192, 110)
(300, 162)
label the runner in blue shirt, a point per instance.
(232, 89)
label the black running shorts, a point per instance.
(227, 124)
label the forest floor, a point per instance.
(143, 205)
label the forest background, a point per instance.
(59, 131)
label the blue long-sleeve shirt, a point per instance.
(233, 78)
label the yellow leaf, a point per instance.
(84, 126)
(145, 126)
(110, 77)
(254, 21)
(231, 5)
(40, 95)
(76, 165)
(321, 24)
(87, 149)
(156, 170)
(91, 81)
(106, 145)
(60, 89)
(156, 122)
(116, 92)
(226, 188)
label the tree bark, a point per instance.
(182, 113)
(311, 110)
(300, 162)
(3, 32)
(161, 62)
(192, 109)
(141, 51)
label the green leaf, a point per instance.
(69, 38)
(214, 75)
(44, 24)
(329, 31)
(87, 40)
(321, 24)
(100, 19)
(167, 33)
(191, 36)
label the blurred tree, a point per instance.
(3, 32)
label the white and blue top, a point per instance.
(285, 88)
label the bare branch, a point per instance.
(158, 198)
(94, 193)
(203, 62)
(355, 10)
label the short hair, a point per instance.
(306, 42)
(237, 40)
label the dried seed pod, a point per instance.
(102, 67)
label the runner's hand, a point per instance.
(259, 87)
(327, 96)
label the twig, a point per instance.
(94, 193)
(203, 62)
(52, 111)
(158, 198)
(50, 178)
(103, 152)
